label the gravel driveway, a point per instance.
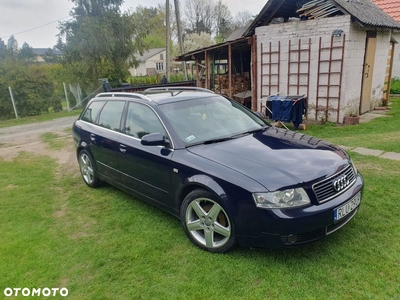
(27, 138)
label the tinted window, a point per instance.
(142, 120)
(110, 116)
(92, 111)
(209, 118)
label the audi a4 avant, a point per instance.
(229, 176)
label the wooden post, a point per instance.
(230, 70)
(13, 102)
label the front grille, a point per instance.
(324, 190)
(304, 237)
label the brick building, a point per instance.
(337, 52)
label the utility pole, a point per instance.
(167, 25)
(180, 37)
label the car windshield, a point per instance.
(210, 119)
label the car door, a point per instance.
(103, 139)
(145, 169)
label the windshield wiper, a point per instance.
(249, 132)
(212, 141)
(223, 139)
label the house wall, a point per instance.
(352, 59)
(149, 63)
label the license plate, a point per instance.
(342, 211)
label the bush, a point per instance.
(395, 86)
(33, 90)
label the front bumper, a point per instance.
(290, 227)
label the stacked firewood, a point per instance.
(240, 83)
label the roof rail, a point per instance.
(176, 89)
(128, 95)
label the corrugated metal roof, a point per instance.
(391, 7)
(368, 13)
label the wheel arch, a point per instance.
(82, 146)
(204, 182)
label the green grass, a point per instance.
(104, 244)
(382, 133)
(54, 141)
(40, 118)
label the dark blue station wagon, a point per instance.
(227, 174)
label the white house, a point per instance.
(151, 62)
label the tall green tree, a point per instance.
(97, 35)
(26, 53)
(152, 19)
(12, 46)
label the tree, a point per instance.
(12, 46)
(153, 20)
(199, 16)
(242, 18)
(26, 54)
(195, 41)
(99, 34)
(223, 21)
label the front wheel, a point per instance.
(88, 170)
(206, 223)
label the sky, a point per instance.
(35, 21)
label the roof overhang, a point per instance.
(222, 48)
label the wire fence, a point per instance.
(100, 88)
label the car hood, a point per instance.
(276, 158)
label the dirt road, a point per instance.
(27, 138)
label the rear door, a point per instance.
(146, 170)
(104, 137)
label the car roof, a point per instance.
(158, 96)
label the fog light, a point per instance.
(292, 238)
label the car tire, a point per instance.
(206, 222)
(88, 169)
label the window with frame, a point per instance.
(92, 111)
(161, 56)
(110, 116)
(142, 120)
(160, 66)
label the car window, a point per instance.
(142, 120)
(110, 116)
(208, 118)
(92, 111)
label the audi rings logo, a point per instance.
(341, 183)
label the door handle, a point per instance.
(92, 137)
(122, 148)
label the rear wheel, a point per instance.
(88, 170)
(206, 223)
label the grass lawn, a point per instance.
(382, 133)
(103, 244)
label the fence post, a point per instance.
(66, 96)
(13, 103)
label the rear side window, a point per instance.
(142, 120)
(92, 111)
(110, 116)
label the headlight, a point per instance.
(282, 199)
(354, 167)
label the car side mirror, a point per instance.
(154, 139)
